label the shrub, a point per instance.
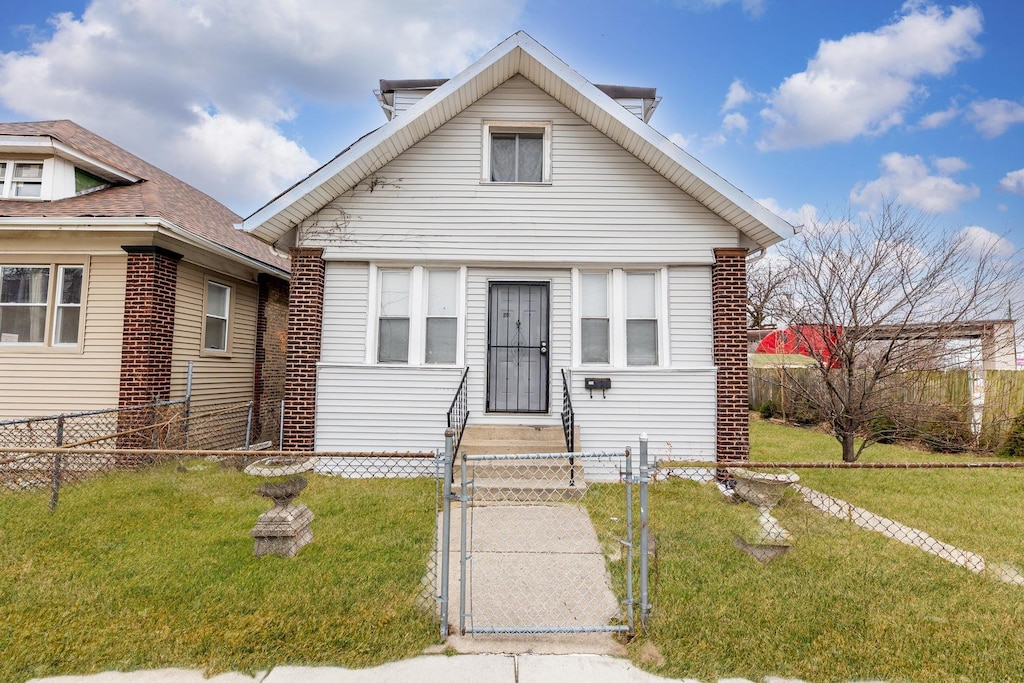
(883, 429)
(1013, 445)
(768, 410)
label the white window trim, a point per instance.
(48, 344)
(228, 324)
(617, 315)
(417, 314)
(61, 269)
(45, 180)
(515, 127)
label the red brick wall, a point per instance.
(147, 336)
(729, 325)
(271, 354)
(148, 332)
(305, 326)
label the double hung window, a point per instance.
(38, 298)
(21, 179)
(517, 152)
(619, 318)
(418, 316)
(218, 312)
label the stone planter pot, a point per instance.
(763, 489)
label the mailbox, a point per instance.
(600, 383)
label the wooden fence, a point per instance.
(939, 405)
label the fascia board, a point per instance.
(689, 174)
(136, 224)
(702, 176)
(414, 119)
(45, 144)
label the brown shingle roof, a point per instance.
(158, 194)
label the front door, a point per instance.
(517, 347)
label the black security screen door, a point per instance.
(517, 347)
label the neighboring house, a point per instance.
(518, 221)
(116, 274)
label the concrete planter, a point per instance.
(763, 489)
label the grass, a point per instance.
(155, 568)
(842, 604)
(977, 509)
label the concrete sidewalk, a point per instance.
(497, 668)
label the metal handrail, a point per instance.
(569, 426)
(458, 413)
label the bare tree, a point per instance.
(766, 289)
(875, 302)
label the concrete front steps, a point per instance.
(520, 480)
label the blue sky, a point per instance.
(812, 107)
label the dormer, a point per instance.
(42, 168)
(395, 96)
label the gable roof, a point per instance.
(517, 54)
(141, 190)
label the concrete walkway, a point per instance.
(493, 668)
(532, 565)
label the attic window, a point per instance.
(21, 180)
(517, 152)
(86, 182)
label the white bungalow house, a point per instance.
(511, 226)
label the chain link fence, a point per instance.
(958, 511)
(544, 544)
(54, 451)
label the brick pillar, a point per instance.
(305, 326)
(729, 325)
(147, 337)
(271, 354)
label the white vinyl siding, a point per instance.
(85, 376)
(383, 407)
(218, 379)
(690, 331)
(676, 408)
(602, 205)
(346, 301)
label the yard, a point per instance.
(155, 568)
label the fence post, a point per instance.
(188, 401)
(629, 541)
(645, 477)
(248, 428)
(58, 458)
(464, 498)
(280, 428)
(446, 526)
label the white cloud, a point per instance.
(1013, 182)
(734, 122)
(736, 96)
(680, 140)
(994, 117)
(753, 8)
(862, 83)
(804, 218)
(220, 148)
(950, 165)
(978, 241)
(158, 77)
(908, 180)
(938, 119)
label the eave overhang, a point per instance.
(518, 54)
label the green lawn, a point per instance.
(843, 604)
(975, 509)
(155, 569)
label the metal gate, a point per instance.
(544, 543)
